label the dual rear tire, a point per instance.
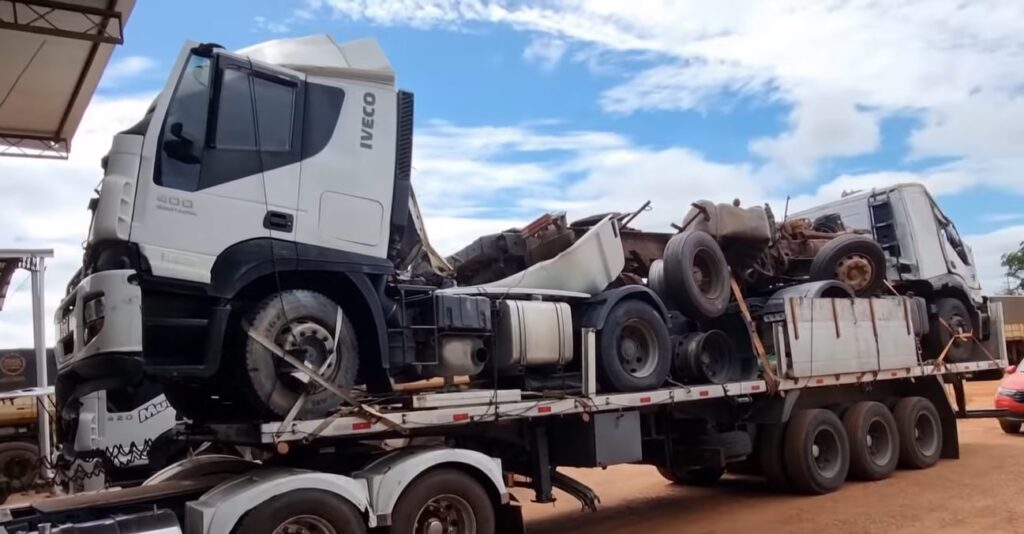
(816, 451)
(440, 500)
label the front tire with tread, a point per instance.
(261, 380)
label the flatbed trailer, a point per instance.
(851, 398)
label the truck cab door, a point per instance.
(223, 164)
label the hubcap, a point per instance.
(825, 452)
(856, 271)
(305, 524)
(446, 514)
(879, 442)
(638, 348)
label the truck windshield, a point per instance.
(948, 231)
(184, 129)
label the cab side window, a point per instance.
(951, 236)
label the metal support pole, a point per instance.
(39, 340)
(541, 466)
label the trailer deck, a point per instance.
(347, 425)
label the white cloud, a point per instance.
(820, 126)
(273, 26)
(45, 207)
(125, 68)
(1002, 217)
(953, 64)
(988, 250)
(545, 52)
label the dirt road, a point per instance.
(980, 492)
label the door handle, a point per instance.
(276, 220)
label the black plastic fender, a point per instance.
(596, 309)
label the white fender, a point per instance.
(220, 509)
(388, 477)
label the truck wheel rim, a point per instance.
(825, 452)
(926, 435)
(305, 524)
(879, 442)
(703, 274)
(313, 345)
(856, 271)
(638, 348)
(446, 514)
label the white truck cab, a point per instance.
(921, 243)
(925, 256)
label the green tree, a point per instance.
(1014, 263)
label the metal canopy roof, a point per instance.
(52, 54)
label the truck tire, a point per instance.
(19, 465)
(692, 476)
(633, 348)
(817, 452)
(696, 275)
(771, 457)
(1010, 427)
(443, 500)
(656, 281)
(874, 440)
(316, 330)
(956, 315)
(856, 260)
(920, 431)
(310, 511)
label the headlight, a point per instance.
(1006, 392)
(92, 309)
(92, 314)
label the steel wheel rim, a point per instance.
(958, 324)
(638, 348)
(856, 271)
(826, 452)
(702, 271)
(879, 442)
(305, 524)
(926, 434)
(445, 514)
(312, 344)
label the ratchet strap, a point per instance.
(770, 379)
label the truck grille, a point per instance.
(1018, 396)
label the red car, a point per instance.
(1010, 397)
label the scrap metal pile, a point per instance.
(692, 269)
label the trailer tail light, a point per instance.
(362, 425)
(459, 417)
(544, 409)
(645, 400)
(704, 393)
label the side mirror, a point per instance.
(181, 148)
(1011, 369)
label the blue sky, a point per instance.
(525, 106)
